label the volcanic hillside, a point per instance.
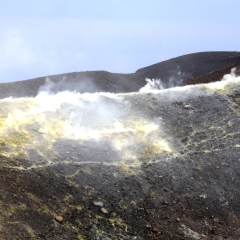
(105, 161)
(178, 71)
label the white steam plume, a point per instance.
(175, 79)
(154, 84)
(73, 127)
(90, 127)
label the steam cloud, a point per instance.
(98, 127)
(77, 127)
(154, 84)
(174, 80)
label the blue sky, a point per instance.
(45, 37)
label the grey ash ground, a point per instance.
(189, 193)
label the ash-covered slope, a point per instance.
(173, 72)
(156, 165)
(92, 81)
(177, 70)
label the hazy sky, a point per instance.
(44, 37)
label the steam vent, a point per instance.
(103, 156)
